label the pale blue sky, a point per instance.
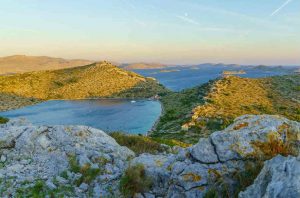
(167, 31)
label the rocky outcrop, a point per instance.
(279, 178)
(217, 159)
(79, 161)
(72, 160)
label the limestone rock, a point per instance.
(279, 178)
(194, 170)
(44, 153)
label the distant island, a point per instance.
(229, 73)
(143, 66)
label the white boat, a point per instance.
(133, 101)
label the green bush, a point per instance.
(3, 120)
(220, 186)
(138, 144)
(134, 181)
(211, 193)
(88, 173)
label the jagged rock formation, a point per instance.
(216, 159)
(79, 161)
(68, 160)
(279, 178)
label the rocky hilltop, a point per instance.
(79, 161)
(22, 63)
(72, 161)
(199, 111)
(97, 80)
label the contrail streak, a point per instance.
(282, 6)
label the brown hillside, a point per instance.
(233, 96)
(95, 80)
(21, 63)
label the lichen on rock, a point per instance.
(55, 158)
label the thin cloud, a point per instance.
(187, 19)
(281, 7)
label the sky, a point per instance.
(160, 31)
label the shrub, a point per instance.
(222, 187)
(88, 173)
(211, 193)
(138, 144)
(246, 177)
(171, 142)
(3, 120)
(134, 181)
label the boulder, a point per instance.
(193, 171)
(279, 178)
(51, 155)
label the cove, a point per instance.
(105, 114)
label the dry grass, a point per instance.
(138, 144)
(96, 80)
(134, 181)
(232, 97)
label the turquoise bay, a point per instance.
(105, 114)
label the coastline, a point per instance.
(19, 106)
(148, 133)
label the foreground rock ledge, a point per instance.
(216, 160)
(79, 161)
(44, 153)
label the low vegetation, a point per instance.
(228, 187)
(98, 80)
(91, 81)
(134, 181)
(145, 144)
(41, 190)
(88, 174)
(197, 112)
(138, 144)
(177, 110)
(146, 89)
(3, 120)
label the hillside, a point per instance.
(97, 80)
(11, 101)
(22, 63)
(197, 112)
(143, 66)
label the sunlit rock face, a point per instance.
(217, 159)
